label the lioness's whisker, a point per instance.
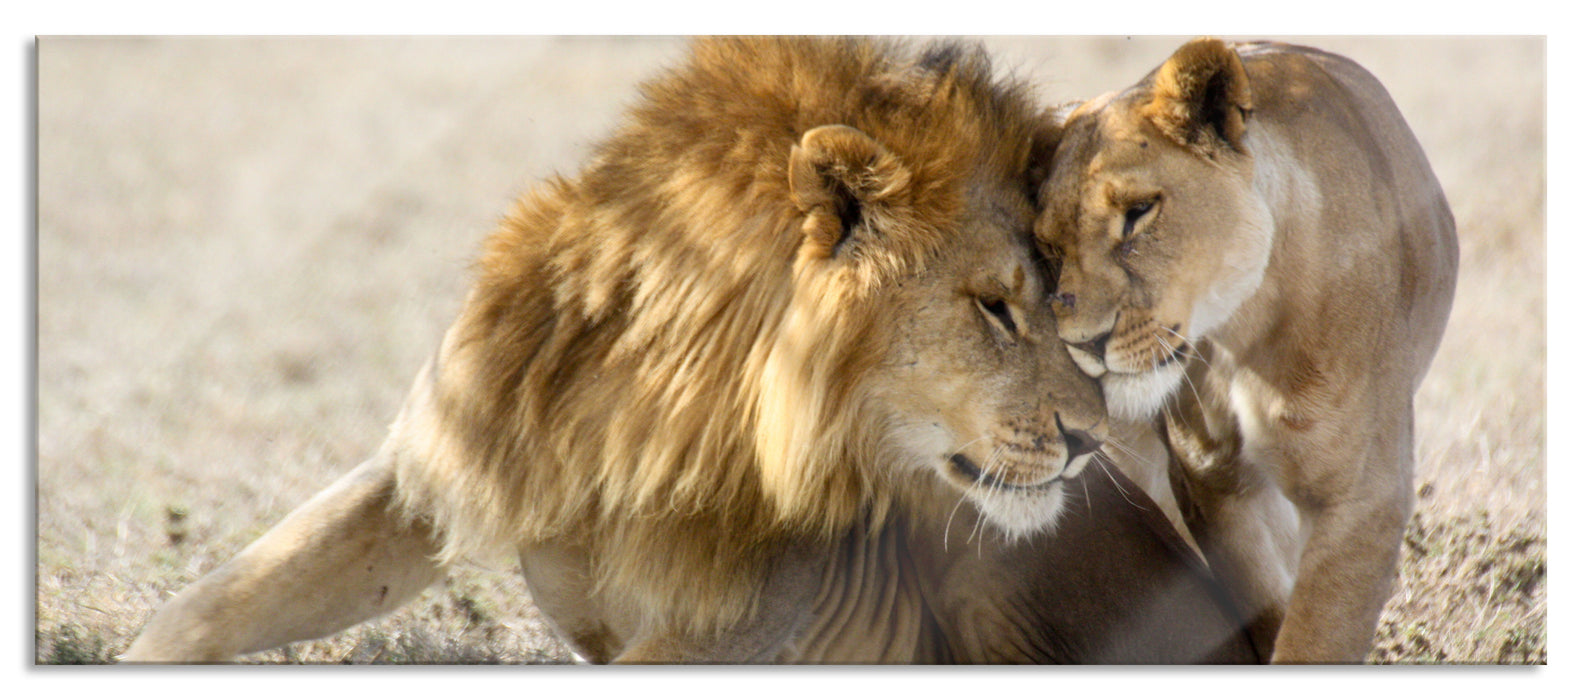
(1185, 376)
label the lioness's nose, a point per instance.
(1079, 443)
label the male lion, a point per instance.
(724, 391)
(1257, 222)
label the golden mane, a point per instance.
(643, 354)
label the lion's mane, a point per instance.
(645, 363)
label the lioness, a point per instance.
(725, 391)
(1252, 249)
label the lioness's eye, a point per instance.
(997, 309)
(1135, 213)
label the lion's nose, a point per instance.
(1079, 443)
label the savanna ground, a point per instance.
(247, 247)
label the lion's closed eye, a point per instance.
(998, 312)
(1135, 214)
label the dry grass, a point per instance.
(1471, 592)
(247, 248)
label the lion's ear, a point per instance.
(1201, 97)
(837, 175)
(1041, 154)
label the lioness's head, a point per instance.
(1152, 225)
(922, 319)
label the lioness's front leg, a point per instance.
(1349, 561)
(1248, 533)
(339, 559)
(1301, 512)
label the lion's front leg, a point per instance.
(339, 559)
(560, 577)
(787, 597)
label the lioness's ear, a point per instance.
(837, 174)
(1201, 97)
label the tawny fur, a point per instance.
(604, 376)
(1254, 253)
(717, 392)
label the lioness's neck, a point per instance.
(1284, 197)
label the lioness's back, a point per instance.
(1338, 116)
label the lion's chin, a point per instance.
(1022, 513)
(1138, 396)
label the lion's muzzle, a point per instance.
(1017, 467)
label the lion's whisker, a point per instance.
(977, 482)
(970, 443)
(990, 466)
(1124, 449)
(1087, 497)
(1104, 467)
(983, 473)
(952, 518)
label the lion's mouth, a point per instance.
(968, 469)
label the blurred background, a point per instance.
(248, 246)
